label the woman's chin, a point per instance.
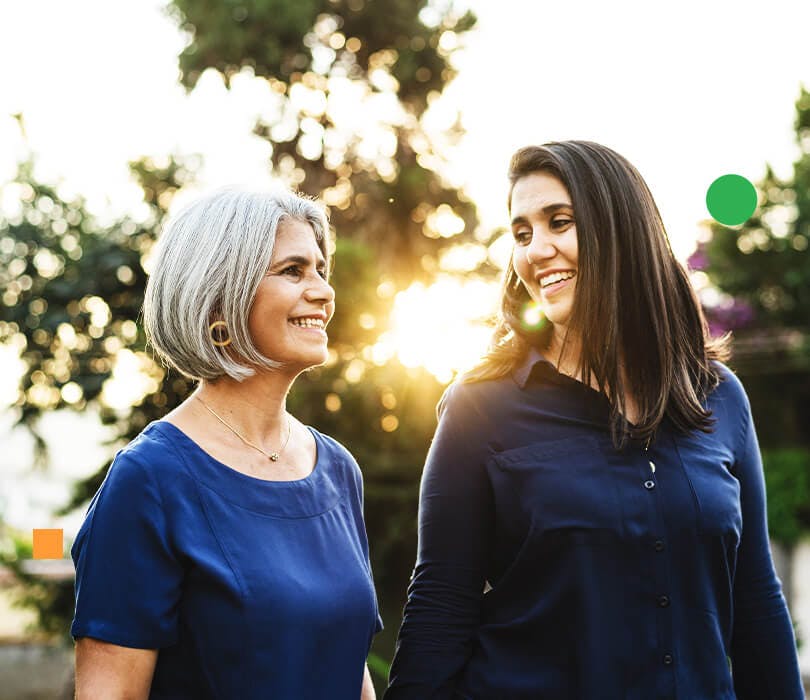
(311, 360)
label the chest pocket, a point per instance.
(707, 465)
(559, 484)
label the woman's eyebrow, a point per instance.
(548, 209)
(298, 260)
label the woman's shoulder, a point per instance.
(729, 390)
(153, 454)
(333, 447)
(337, 463)
(729, 406)
(335, 453)
(142, 475)
(466, 399)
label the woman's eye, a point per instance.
(322, 273)
(291, 270)
(561, 223)
(522, 237)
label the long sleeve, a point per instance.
(764, 662)
(455, 526)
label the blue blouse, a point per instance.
(553, 567)
(249, 588)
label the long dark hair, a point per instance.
(641, 327)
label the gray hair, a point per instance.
(207, 267)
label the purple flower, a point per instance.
(698, 260)
(730, 314)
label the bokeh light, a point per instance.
(532, 317)
(134, 376)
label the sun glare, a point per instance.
(440, 327)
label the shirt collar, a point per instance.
(523, 372)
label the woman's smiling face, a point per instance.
(294, 301)
(546, 250)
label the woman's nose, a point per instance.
(321, 290)
(540, 248)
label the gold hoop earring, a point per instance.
(217, 340)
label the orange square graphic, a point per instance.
(48, 543)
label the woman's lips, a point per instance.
(553, 289)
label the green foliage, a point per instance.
(283, 40)
(271, 32)
(72, 290)
(378, 177)
(787, 477)
(378, 666)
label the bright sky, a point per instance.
(687, 91)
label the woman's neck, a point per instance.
(564, 352)
(257, 405)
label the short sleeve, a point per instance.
(128, 579)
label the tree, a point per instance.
(763, 270)
(350, 81)
(72, 290)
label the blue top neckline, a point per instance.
(311, 496)
(186, 438)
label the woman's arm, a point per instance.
(455, 527)
(110, 672)
(367, 693)
(763, 646)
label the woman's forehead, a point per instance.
(296, 238)
(536, 191)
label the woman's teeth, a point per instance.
(555, 277)
(307, 322)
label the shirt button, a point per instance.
(649, 484)
(663, 601)
(659, 545)
(667, 659)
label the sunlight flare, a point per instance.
(441, 327)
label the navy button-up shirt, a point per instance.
(552, 566)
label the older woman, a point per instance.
(592, 515)
(225, 555)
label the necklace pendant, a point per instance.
(274, 456)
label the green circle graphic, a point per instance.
(731, 199)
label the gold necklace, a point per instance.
(272, 456)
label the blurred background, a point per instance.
(401, 115)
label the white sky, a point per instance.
(687, 91)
